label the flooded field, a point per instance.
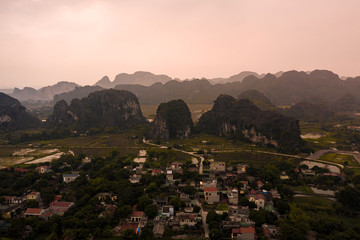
(14, 156)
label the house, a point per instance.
(156, 172)
(169, 175)
(106, 196)
(167, 211)
(33, 196)
(9, 199)
(217, 166)
(211, 195)
(68, 178)
(233, 196)
(270, 230)
(109, 211)
(186, 219)
(307, 172)
(21, 170)
(38, 212)
(259, 184)
(161, 201)
(59, 208)
(241, 168)
(176, 166)
(275, 193)
(135, 178)
(43, 169)
(258, 198)
(260, 201)
(243, 233)
(137, 216)
(284, 176)
(86, 160)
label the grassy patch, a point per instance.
(315, 204)
(222, 207)
(257, 159)
(344, 159)
(302, 188)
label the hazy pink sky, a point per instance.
(46, 41)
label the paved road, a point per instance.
(179, 150)
(203, 216)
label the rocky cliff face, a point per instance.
(243, 120)
(13, 115)
(173, 120)
(109, 108)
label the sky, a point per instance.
(43, 42)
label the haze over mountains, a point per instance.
(140, 78)
(282, 89)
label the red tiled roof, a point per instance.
(62, 204)
(57, 198)
(253, 192)
(33, 211)
(250, 229)
(8, 198)
(177, 163)
(22, 170)
(33, 193)
(210, 189)
(236, 230)
(260, 196)
(48, 214)
(137, 213)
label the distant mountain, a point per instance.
(78, 92)
(43, 94)
(258, 99)
(107, 108)
(346, 103)
(241, 119)
(104, 82)
(141, 78)
(13, 115)
(7, 91)
(287, 89)
(173, 120)
(309, 111)
(236, 78)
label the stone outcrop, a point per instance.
(173, 120)
(241, 119)
(118, 109)
(13, 116)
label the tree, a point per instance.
(32, 204)
(129, 234)
(215, 234)
(212, 216)
(349, 197)
(296, 225)
(151, 211)
(124, 211)
(143, 201)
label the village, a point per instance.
(229, 202)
